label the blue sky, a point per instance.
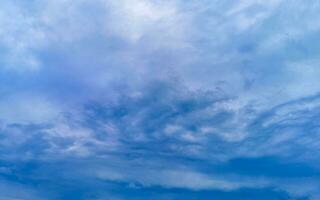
(159, 99)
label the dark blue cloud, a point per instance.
(162, 138)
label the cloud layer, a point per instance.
(149, 99)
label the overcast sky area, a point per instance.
(159, 100)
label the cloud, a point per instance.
(151, 95)
(14, 191)
(170, 122)
(27, 108)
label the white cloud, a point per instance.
(28, 108)
(177, 178)
(158, 22)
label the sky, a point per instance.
(159, 100)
